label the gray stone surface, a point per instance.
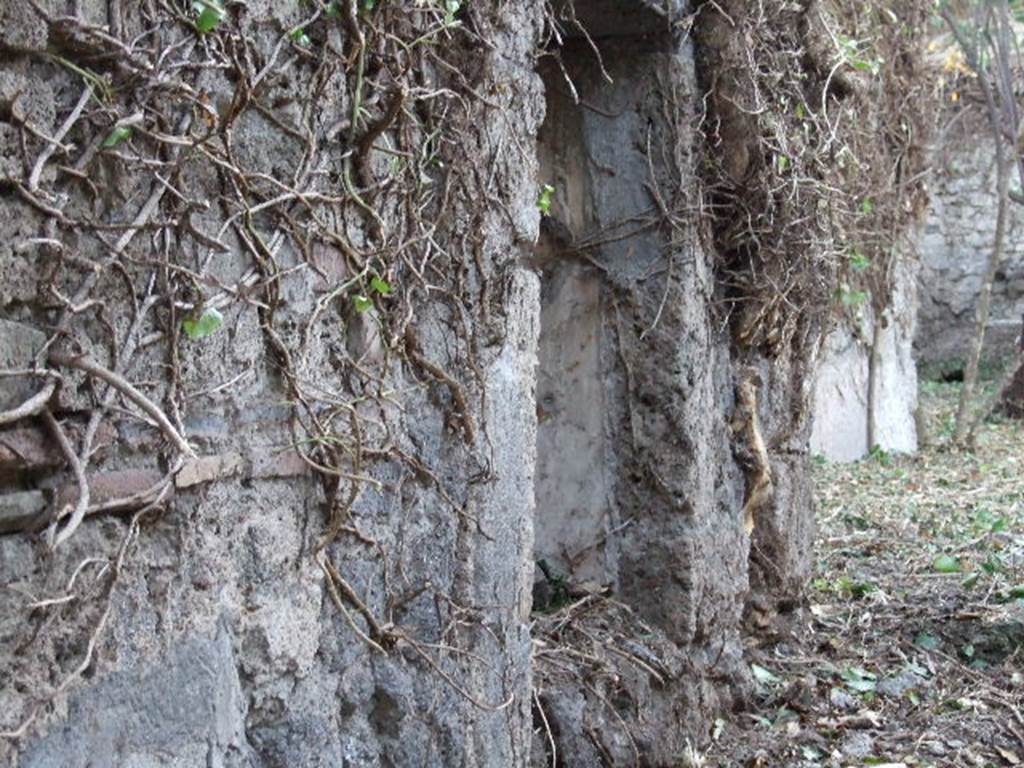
(849, 418)
(955, 248)
(219, 641)
(19, 344)
(841, 398)
(184, 709)
(19, 509)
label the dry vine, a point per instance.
(815, 159)
(158, 100)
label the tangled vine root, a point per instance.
(814, 164)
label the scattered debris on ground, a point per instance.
(910, 652)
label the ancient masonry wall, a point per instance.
(958, 239)
(229, 599)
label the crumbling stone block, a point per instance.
(21, 29)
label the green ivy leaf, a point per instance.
(299, 37)
(927, 641)
(544, 199)
(852, 298)
(362, 303)
(859, 679)
(116, 136)
(946, 564)
(199, 328)
(211, 13)
(451, 7)
(380, 286)
(858, 261)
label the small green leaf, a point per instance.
(299, 37)
(210, 15)
(867, 205)
(116, 136)
(858, 673)
(970, 580)
(946, 564)
(544, 199)
(199, 328)
(380, 286)
(781, 163)
(858, 261)
(362, 303)
(852, 298)
(333, 10)
(927, 642)
(451, 7)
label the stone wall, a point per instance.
(333, 564)
(958, 239)
(309, 536)
(865, 391)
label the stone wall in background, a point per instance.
(957, 240)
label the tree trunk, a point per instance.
(1011, 397)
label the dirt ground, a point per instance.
(911, 651)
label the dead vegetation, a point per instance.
(814, 160)
(910, 654)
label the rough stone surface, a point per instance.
(592, 374)
(218, 642)
(19, 344)
(865, 391)
(132, 718)
(19, 509)
(955, 248)
(637, 487)
(841, 398)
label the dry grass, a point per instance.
(903, 660)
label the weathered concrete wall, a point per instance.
(958, 239)
(865, 391)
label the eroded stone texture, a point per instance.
(637, 488)
(220, 643)
(958, 239)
